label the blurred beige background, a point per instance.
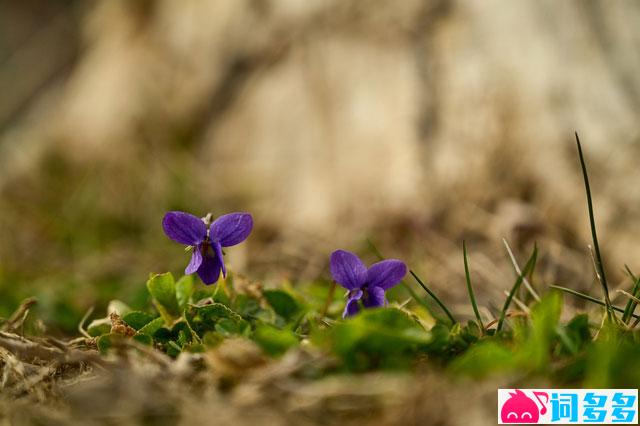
(413, 123)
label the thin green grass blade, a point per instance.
(374, 249)
(630, 273)
(472, 296)
(433, 296)
(594, 235)
(636, 293)
(516, 286)
(590, 299)
(414, 295)
(377, 253)
(406, 286)
(631, 304)
(566, 341)
(526, 283)
(629, 295)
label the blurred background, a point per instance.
(413, 124)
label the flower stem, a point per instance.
(332, 291)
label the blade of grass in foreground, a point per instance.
(420, 282)
(525, 281)
(433, 296)
(598, 257)
(590, 299)
(406, 286)
(631, 304)
(472, 296)
(529, 266)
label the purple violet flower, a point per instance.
(207, 240)
(366, 285)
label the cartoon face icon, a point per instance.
(519, 408)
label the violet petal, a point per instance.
(209, 270)
(217, 248)
(352, 307)
(386, 274)
(375, 297)
(231, 229)
(196, 260)
(347, 269)
(184, 228)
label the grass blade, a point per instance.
(590, 299)
(598, 257)
(629, 295)
(472, 296)
(433, 296)
(374, 249)
(516, 286)
(422, 284)
(414, 295)
(406, 286)
(634, 304)
(518, 271)
(631, 304)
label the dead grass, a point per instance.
(51, 383)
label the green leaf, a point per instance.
(99, 327)
(385, 338)
(221, 293)
(137, 319)
(215, 317)
(461, 337)
(184, 291)
(227, 327)
(152, 327)
(246, 306)
(612, 360)
(145, 339)
(273, 341)
(202, 294)
(163, 290)
(179, 335)
(162, 335)
(195, 348)
(173, 349)
(535, 350)
(214, 311)
(184, 335)
(578, 331)
(212, 339)
(283, 303)
(104, 343)
(484, 359)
